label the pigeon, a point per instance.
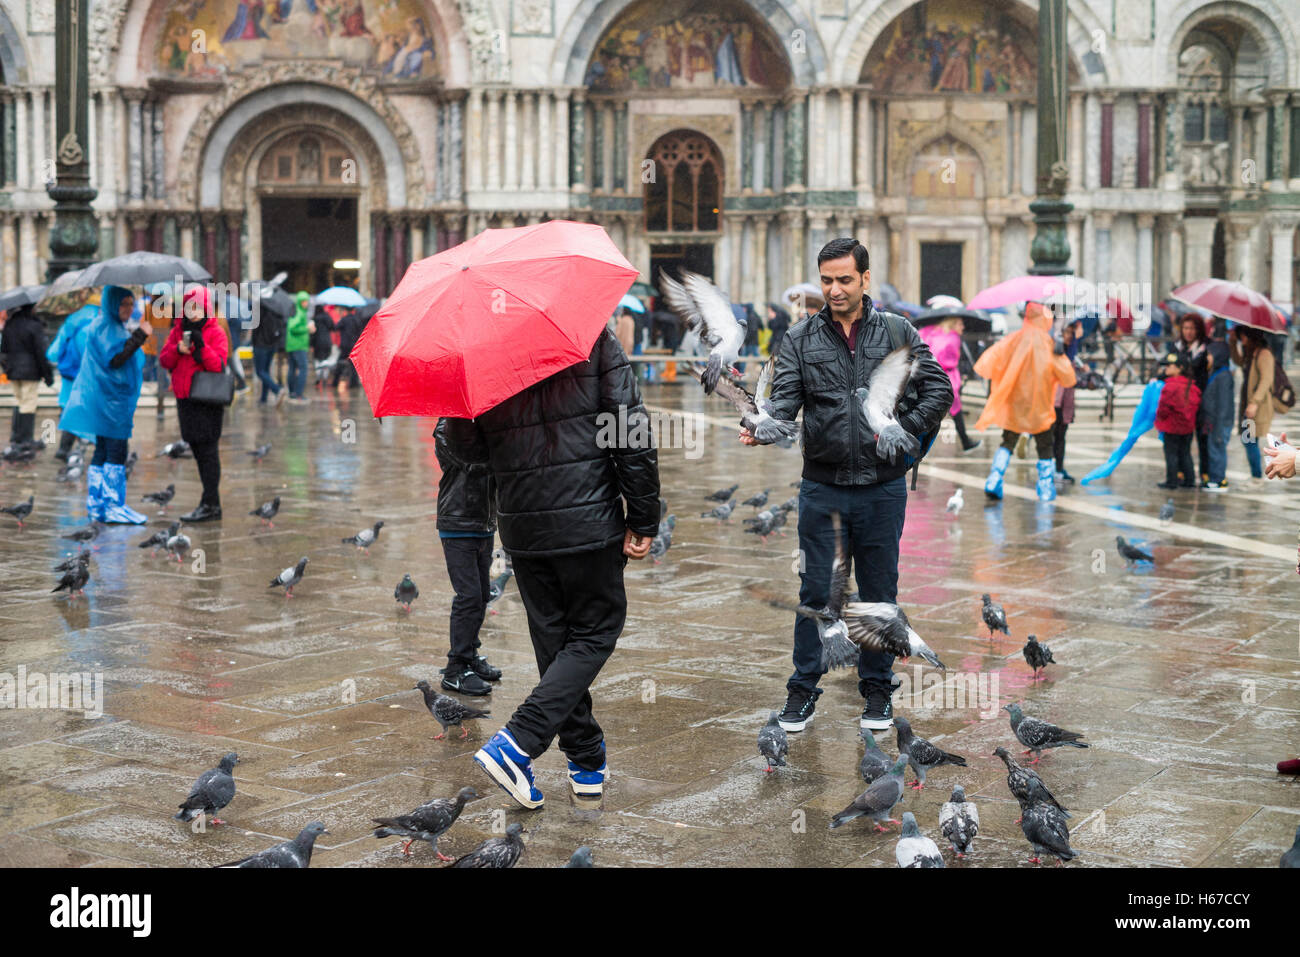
(178, 544)
(406, 592)
(875, 763)
(1167, 511)
(722, 494)
(21, 510)
(497, 586)
(1292, 857)
(773, 743)
(70, 472)
(763, 524)
(295, 853)
(69, 563)
(267, 511)
(838, 650)
(995, 619)
(722, 511)
(160, 538)
(212, 791)
(1038, 656)
(129, 465)
(447, 711)
(663, 541)
(756, 411)
(924, 755)
(707, 312)
(496, 851)
(878, 799)
(426, 823)
(758, 499)
(175, 450)
(959, 821)
(1026, 786)
(879, 400)
(914, 848)
(789, 505)
(290, 577)
(74, 580)
(85, 535)
(1037, 735)
(955, 502)
(18, 453)
(1131, 553)
(1044, 827)
(259, 453)
(160, 498)
(581, 858)
(365, 538)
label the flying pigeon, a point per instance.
(773, 743)
(497, 585)
(21, 510)
(955, 502)
(267, 511)
(1037, 735)
(663, 541)
(447, 711)
(1026, 786)
(75, 579)
(427, 822)
(1291, 858)
(69, 563)
(365, 538)
(496, 851)
(878, 799)
(722, 511)
(1044, 827)
(722, 494)
(959, 821)
(581, 858)
(995, 619)
(1167, 511)
(879, 400)
(175, 450)
(1131, 553)
(707, 312)
(295, 853)
(259, 453)
(1038, 656)
(924, 755)
(290, 577)
(756, 412)
(160, 538)
(838, 650)
(85, 535)
(914, 848)
(178, 544)
(406, 592)
(212, 791)
(160, 498)
(758, 499)
(875, 763)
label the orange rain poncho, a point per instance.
(1025, 371)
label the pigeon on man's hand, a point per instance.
(295, 853)
(447, 711)
(707, 312)
(1036, 734)
(878, 800)
(267, 511)
(496, 851)
(924, 755)
(212, 791)
(914, 848)
(879, 400)
(756, 413)
(427, 822)
(773, 743)
(289, 577)
(21, 510)
(995, 619)
(959, 821)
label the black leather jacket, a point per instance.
(465, 493)
(559, 488)
(22, 349)
(816, 372)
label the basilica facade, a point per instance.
(339, 140)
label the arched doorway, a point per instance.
(945, 232)
(682, 192)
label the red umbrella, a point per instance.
(1233, 301)
(475, 324)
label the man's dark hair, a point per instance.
(839, 248)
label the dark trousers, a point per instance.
(262, 358)
(344, 369)
(959, 423)
(109, 451)
(871, 518)
(576, 608)
(1058, 441)
(201, 428)
(468, 563)
(1178, 458)
(1203, 457)
(1042, 441)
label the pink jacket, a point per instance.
(946, 347)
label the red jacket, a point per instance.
(211, 357)
(1179, 400)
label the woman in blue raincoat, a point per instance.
(103, 400)
(65, 352)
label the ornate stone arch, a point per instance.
(575, 44)
(916, 135)
(1262, 18)
(13, 58)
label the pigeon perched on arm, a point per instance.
(1036, 734)
(289, 577)
(365, 538)
(212, 791)
(267, 511)
(923, 754)
(995, 619)
(879, 400)
(773, 743)
(875, 763)
(295, 853)
(1045, 829)
(959, 821)
(1131, 553)
(878, 799)
(406, 592)
(707, 312)
(1026, 786)
(74, 580)
(427, 822)
(756, 414)
(1291, 858)
(955, 502)
(1038, 656)
(581, 858)
(496, 851)
(914, 848)
(21, 510)
(160, 498)
(447, 711)
(723, 494)
(722, 511)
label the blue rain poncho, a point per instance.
(103, 399)
(1144, 419)
(65, 351)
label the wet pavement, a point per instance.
(1184, 677)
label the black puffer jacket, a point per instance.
(465, 493)
(22, 349)
(561, 486)
(815, 371)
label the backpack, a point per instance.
(1283, 393)
(896, 326)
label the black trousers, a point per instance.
(1058, 442)
(1042, 441)
(576, 609)
(468, 563)
(201, 428)
(1178, 458)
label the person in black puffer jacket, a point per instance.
(567, 455)
(22, 355)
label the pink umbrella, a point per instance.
(1232, 300)
(1026, 289)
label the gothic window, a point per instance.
(685, 193)
(305, 159)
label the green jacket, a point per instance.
(296, 337)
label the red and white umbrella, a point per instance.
(1232, 301)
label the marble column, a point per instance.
(1198, 246)
(996, 224)
(531, 141)
(845, 172)
(862, 167)
(1146, 260)
(380, 252)
(620, 149)
(28, 268)
(1145, 157)
(1076, 149)
(762, 137)
(758, 268)
(135, 128)
(456, 153)
(1092, 144)
(1281, 139)
(545, 151)
(492, 140)
(1239, 149)
(418, 251)
(1015, 112)
(234, 239)
(1107, 139)
(511, 149)
(578, 173)
(561, 133)
(22, 137)
(43, 172)
(796, 142)
(1175, 276)
(139, 223)
(604, 160)
(816, 133)
(8, 157)
(1281, 286)
(185, 222)
(8, 250)
(1103, 222)
(476, 143)
(400, 260)
(1241, 265)
(156, 142)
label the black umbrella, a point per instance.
(21, 296)
(271, 298)
(973, 320)
(142, 269)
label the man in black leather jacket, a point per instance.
(561, 493)
(823, 360)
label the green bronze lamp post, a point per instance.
(1050, 249)
(74, 236)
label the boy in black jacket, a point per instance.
(22, 354)
(466, 526)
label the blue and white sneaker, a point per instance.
(589, 783)
(509, 767)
